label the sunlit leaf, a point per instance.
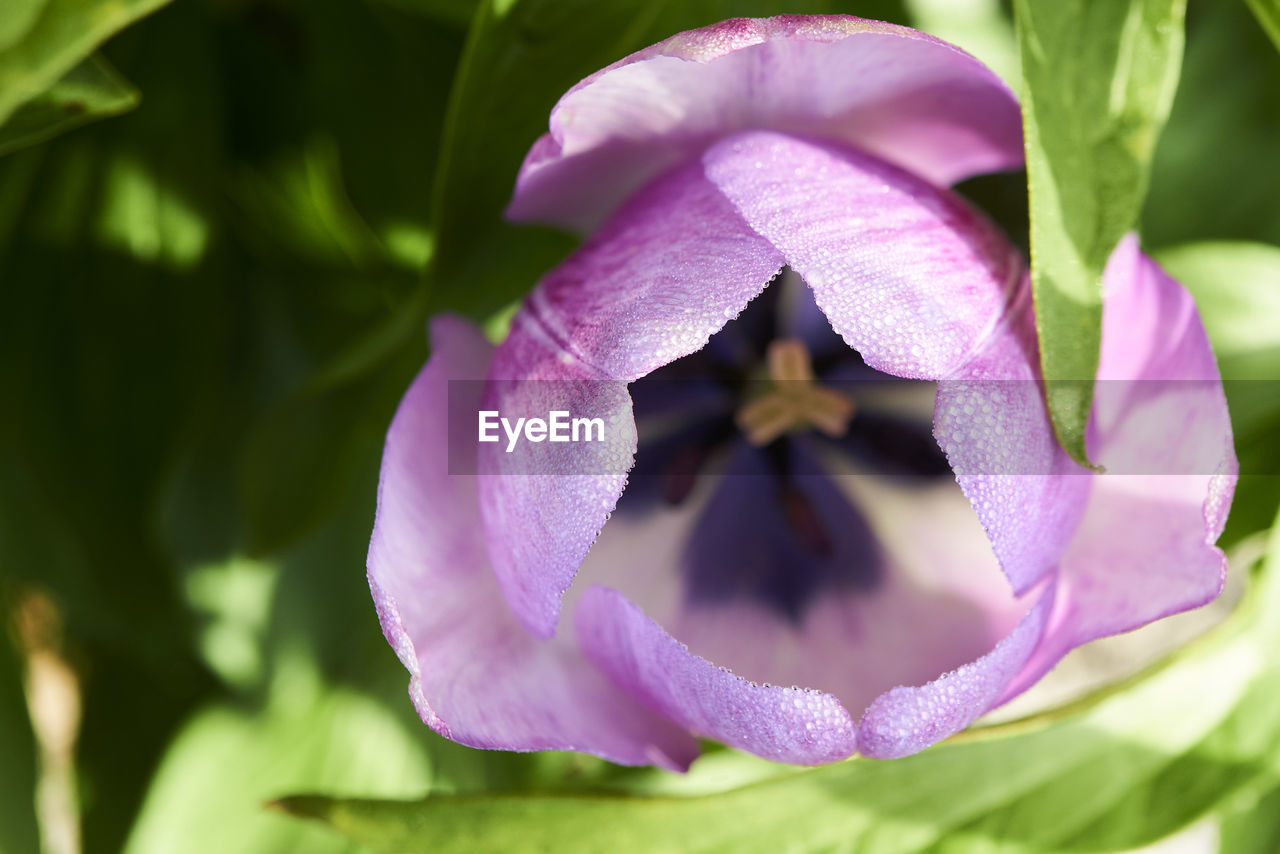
(1098, 80)
(92, 90)
(62, 34)
(208, 794)
(18, 19)
(1268, 13)
(1252, 825)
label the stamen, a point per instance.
(796, 401)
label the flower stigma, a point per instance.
(795, 401)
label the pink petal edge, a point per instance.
(898, 94)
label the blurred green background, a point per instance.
(220, 237)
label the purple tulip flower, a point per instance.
(942, 582)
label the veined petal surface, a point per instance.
(908, 98)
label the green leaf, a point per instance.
(1205, 179)
(92, 90)
(1268, 14)
(333, 201)
(339, 417)
(62, 34)
(208, 793)
(1005, 787)
(455, 12)
(1252, 826)
(1098, 81)
(18, 18)
(521, 56)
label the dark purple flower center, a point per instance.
(772, 401)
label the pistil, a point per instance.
(796, 401)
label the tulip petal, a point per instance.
(906, 720)
(655, 282)
(1160, 427)
(784, 724)
(669, 270)
(990, 420)
(477, 676)
(899, 94)
(910, 276)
